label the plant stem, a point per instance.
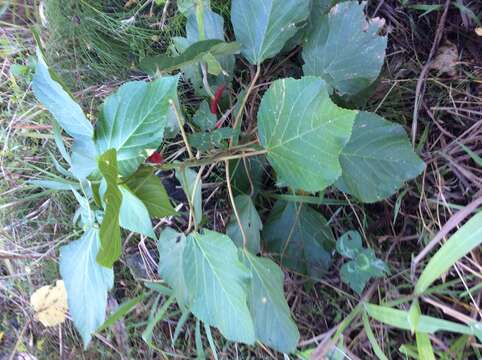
(209, 160)
(181, 127)
(235, 138)
(233, 204)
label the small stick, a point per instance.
(421, 79)
(233, 204)
(181, 127)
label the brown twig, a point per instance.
(419, 90)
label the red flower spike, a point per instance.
(156, 158)
(215, 99)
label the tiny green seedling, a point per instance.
(363, 265)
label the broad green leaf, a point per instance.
(192, 55)
(133, 215)
(133, 119)
(427, 324)
(377, 160)
(87, 283)
(300, 237)
(204, 118)
(206, 141)
(344, 48)
(68, 114)
(217, 284)
(250, 221)
(264, 26)
(192, 187)
(349, 244)
(303, 132)
(110, 237)
(58, 101)
(273, 323)
(148, 187)
(171, 246)
(467, 238)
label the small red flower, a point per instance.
(156, 158)
(215, 99)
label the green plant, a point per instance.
(363, 265)
(310, 142)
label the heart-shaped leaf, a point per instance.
(303, 132)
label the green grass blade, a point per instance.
(424, 346)
(371, 337)
(122, 311)
(467, 238)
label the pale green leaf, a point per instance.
(377, 160)
(273, 323)
(373, 340)
(192, 186)
(264, 26)
(87, 283)
(300, 237)
(59, 102)
(133, 119)
(467, 238)
(250, 221)
(303, 132)
(148, 187)
(344, 48)
(68, 114)
(133, 215)
(171, 246)
(217, 283)
(110, 237)
(195, 53)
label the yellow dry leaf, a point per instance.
(478, 31)
(50, 304)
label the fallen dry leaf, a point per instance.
(446, 60)
(478, 31)
(50, 304)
